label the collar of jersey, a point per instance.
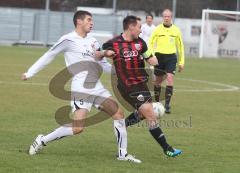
(167, 26)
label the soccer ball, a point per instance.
(158, 109)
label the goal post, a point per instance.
(220, 34)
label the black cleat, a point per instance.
(167, 109)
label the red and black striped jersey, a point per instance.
(129, 60)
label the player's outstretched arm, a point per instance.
(39, 64)
(105, 53)
(109, 53)
(46, 59)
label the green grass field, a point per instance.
(204, 122)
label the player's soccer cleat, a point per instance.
(172, 152)
(37, 145)
(167, 109)
(130, 158)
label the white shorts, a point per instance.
(87, 97)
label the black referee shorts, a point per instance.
(166, 64)
(136, 95)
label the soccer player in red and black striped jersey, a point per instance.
(129, 53)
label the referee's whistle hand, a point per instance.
(180, 68)
(23, 77)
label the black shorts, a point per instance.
(136, 95)
(166, 64)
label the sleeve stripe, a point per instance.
(55, 46)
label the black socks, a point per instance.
(159, 137)
(157, 92)
(168, 95)
(132, 119)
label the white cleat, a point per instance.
(37, 145)
(129, 158)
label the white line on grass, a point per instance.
(27, 66)
(24, 83)
(226, 88)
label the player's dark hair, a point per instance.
(81, 14)
(149, 15)
(128, 20)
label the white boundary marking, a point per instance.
(24, 83)
(227, 87)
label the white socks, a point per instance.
(121, 134)
(119, 129)
(59, 133)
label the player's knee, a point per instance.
(114, 108)
(147, 111)
(110, 106)
(147, 108)
(119, 114)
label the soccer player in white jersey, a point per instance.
(146, 31)
(147, 28)
(77, 47)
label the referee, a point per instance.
(166, 42)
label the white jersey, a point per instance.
(78, 50)
(146, 31)
(75, 49)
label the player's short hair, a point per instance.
(168, 10)
(128, 20)
(81, 14)
(149, 15)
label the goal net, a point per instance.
(220, 34)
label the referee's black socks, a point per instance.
(168, 95)
(157, 92)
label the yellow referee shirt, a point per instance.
(167, 40)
